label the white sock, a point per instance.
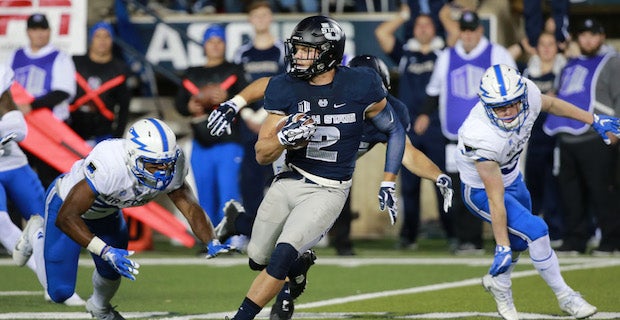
(9, 232)
(504, 278)
(546, 263)
(103, 289)
(9, 235)
(38, 244)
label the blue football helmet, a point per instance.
(502, 86)
(151, 141)
(321, 33)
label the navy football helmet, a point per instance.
(375, 63)
(319, 32)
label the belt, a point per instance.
(293, 174)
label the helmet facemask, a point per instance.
(163, 170)
(513, 123)
(316, 53)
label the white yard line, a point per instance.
(573, 264)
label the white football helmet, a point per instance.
(151, 141)
(501, 86)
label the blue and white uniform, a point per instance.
(107, 172)
(18, 182)
(481, 140)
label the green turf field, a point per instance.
(378, 283)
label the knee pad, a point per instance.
(60, 294)
(282, 258)
(255, 266)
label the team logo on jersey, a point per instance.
(323, 103)
(91, 168)
(303, 106)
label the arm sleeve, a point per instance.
(386, 123)
(50, 99)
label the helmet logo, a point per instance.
(136, 139)
(330, 32)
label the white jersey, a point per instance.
(106, 171)
(480, 139)
(12, 156)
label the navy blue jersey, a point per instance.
(337, 109)
(372, 135)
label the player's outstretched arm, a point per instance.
(184, 199)
(80, 198)
(221, 118)
(186, 202)
(419, 164)
(607, 127)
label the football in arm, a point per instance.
(295, 122)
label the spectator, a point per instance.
(450, 15)
(587, 184)
(416, 61)
(540, 160)
(453, 88)
(263, 56)
(215, 161)
(48, 75)
(101, 106)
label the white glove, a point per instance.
(387, 198)
(444, 183)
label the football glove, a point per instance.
(501, 261)
(444, 183)
(6, 139)
(387, 198)
(603, 124)
(118, 259)
(215, 248)
(297, 128)
(220, 119)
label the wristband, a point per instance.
(389, 184)
(238, 102)
(96, 245)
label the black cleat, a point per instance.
(226, 228)
(282, 310)
(298, 283)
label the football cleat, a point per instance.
(23, 247)
(282, 310)
(72, 301)
(297, 285)
(226, 228)
(102, 313)
(572, 303)
(502, 296)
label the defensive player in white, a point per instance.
(490, 143)
(83, 210)
(18, 181)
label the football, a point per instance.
(297, 117)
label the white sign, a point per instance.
(67, 20)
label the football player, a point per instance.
(83, 211)
(490, 142)
(308, 194)
(234, 222)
